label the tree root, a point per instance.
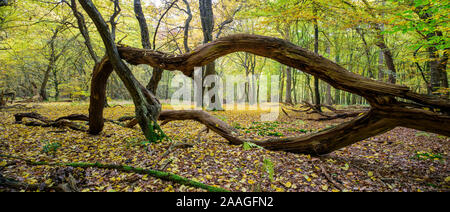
(61, 122)
(45, 122)
(12, 183)
(154, 173)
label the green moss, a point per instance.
(154, 173)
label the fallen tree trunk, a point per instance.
(211, 122)
(45, 122)
(283, 52)
(369, 124)
(386, 113)
(154, 173)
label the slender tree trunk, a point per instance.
(145, 37)
(316, 79)
(186, 26)
(43, 89)
(50, 66)
(152, 85)
(147, 107)
(282, 82)
(389, 60)
(207, 21)
(83, 30)
(380, 66)
(288, 85)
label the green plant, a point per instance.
(237, 125)
(248, 145)
(273, 133)
(50, 148)
(268, 168)
(155, 134)
(223, 118)
(419, 155)
(422, 134)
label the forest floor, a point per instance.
(400, 160)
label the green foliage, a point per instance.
(237, 125)
(265, 128)
(422, 134)
(50, 148)
(420, 155)
(223, 118)
(248, 146)
(155, 134)
(297, 130)
(425, 17)
(272, 133)
(268, 168)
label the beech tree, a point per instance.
(147, 106)
(385, 114)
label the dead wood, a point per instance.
(385, 114)
(45, 122)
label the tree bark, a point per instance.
(145, 38)
(288, 85)
(83, 30)
(316, 80)
(207, 20)
(381, 43)
(386, 112)
(51, 63)
(389, 60)
(186, 26)
(152, 85)
(147, 107)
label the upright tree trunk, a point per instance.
(380, 66)
(329, 99)
(207, 20)
(381, 43)
(437, 64)
(145, 37)
(316, 79)
(83, 30)
(282, 77)
(152, 85)
(435, 73)
(43, 89)
(288, 85)
(287, 36)
(56, 84)
(147, 107)
(186, 26)
(51, 63)
(389, 60)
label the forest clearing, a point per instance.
(224, 96)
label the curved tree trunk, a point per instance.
(147, 107)
(386, 112)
